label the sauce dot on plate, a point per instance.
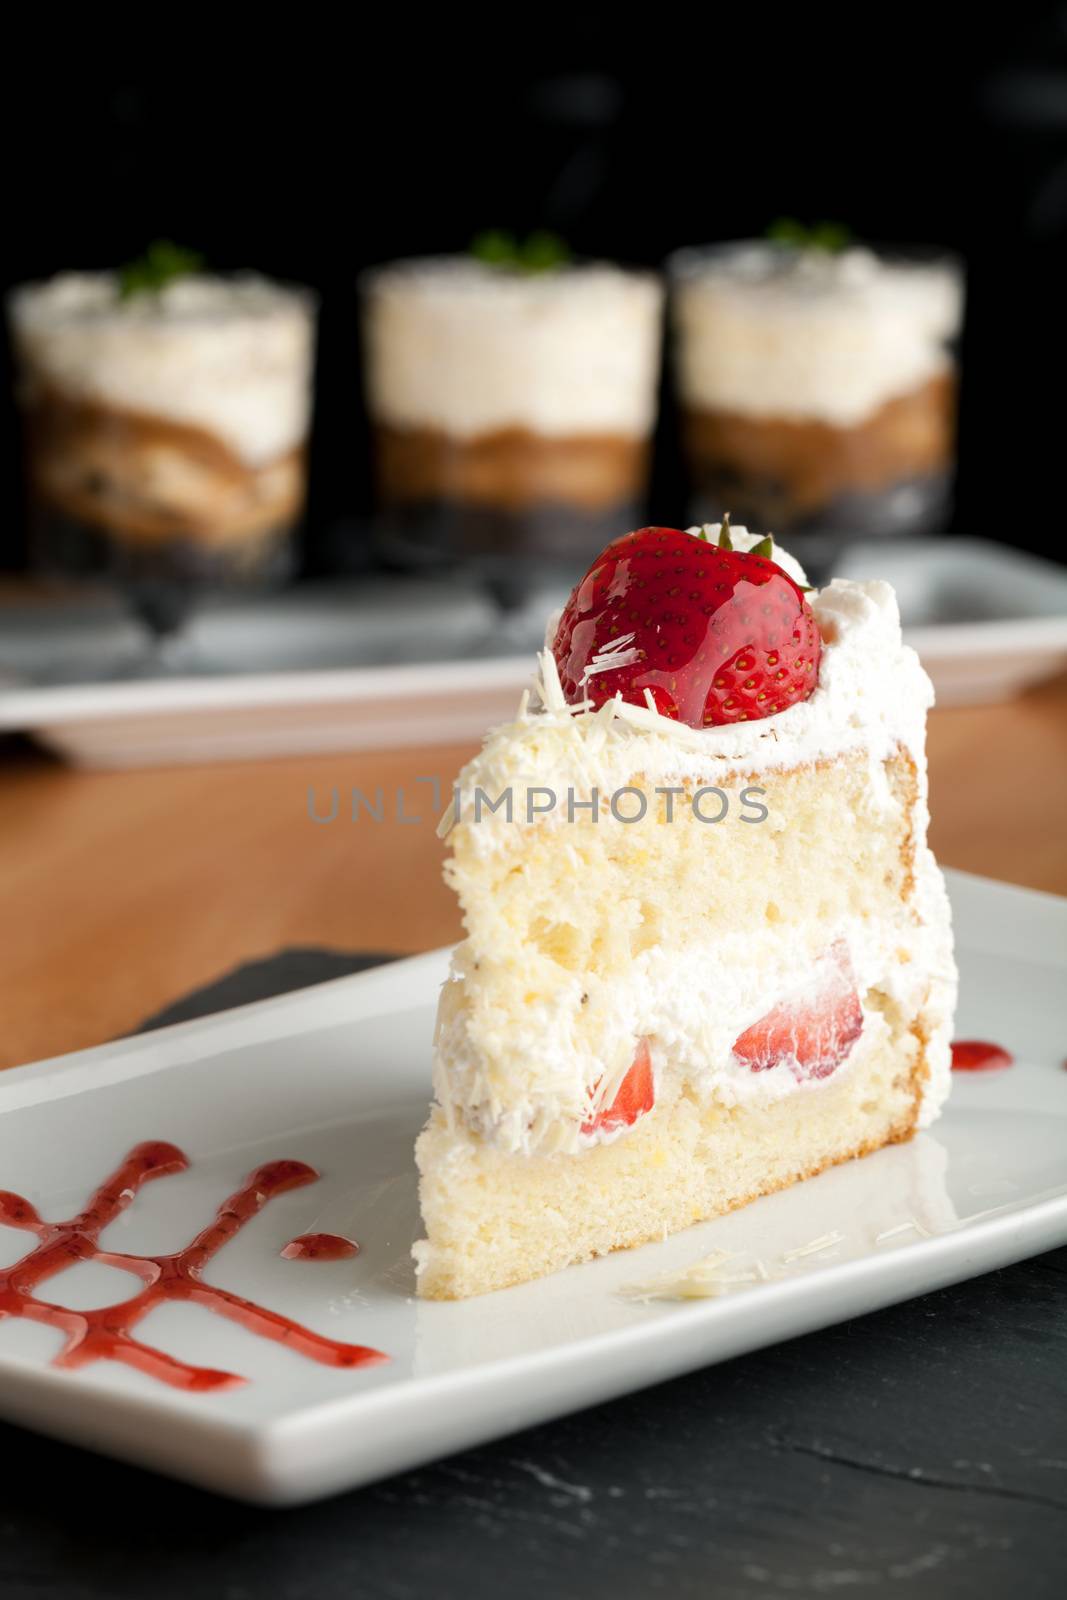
(978, 1055)
(320, 1247)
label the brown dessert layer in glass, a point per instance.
(783, 472)
(510, 469)
(147, 480)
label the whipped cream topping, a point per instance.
(458, 346)
(872, 697)
(230, 355)
(774, 332)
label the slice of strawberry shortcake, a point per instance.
(708, 952)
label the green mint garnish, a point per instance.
(161, 264)
(829, 237)
(787, 230)
(494, 248)
(540, 251)
(543, 251)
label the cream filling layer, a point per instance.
(692, 1005)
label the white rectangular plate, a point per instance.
(170, 721)
(338, 1076)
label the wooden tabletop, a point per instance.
(122, 891)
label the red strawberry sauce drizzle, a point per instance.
(106, 1333)
(978, 1055)
(320, 1247)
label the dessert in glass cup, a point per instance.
(166, 426)
(817, 382)
(512, 396)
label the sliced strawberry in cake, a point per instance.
(636, 1095)
(813, 1030)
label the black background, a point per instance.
(307, 149)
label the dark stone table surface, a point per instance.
(919, 1451)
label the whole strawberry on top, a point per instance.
(715, 635)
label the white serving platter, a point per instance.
(324, 667)
(338, 1076)
(176, 721)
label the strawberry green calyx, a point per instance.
(724, 539)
